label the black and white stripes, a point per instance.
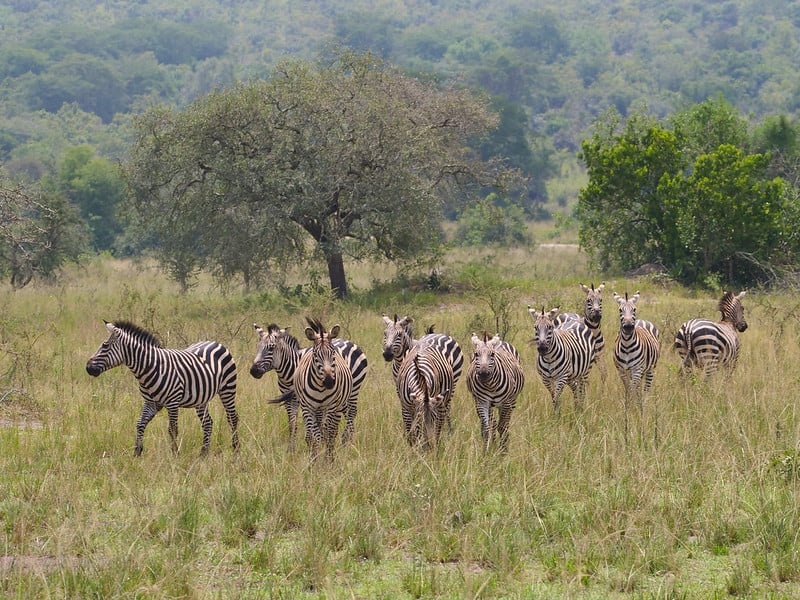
(495, 379)
(323, 384)
(279, 350)
(170, 378)
(636, 350)
(708, 345)
(565, 355)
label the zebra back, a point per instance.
(425, 386)
(398, 340)
(707, 344)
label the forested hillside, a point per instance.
(560, 63)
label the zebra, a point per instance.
(592, 317)
(171, 378)
(636, 352)
(280, 350)
(495, 379)
(565, 355)
(397, 341)
(707, 344)
(323, 385)
(425, 384)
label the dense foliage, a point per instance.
(688, 195)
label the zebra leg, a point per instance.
(578, 387)
(233, 419)
(313, 433)
(555, 392)
(485, 415)
(292, 406)
(149, 410)
(172, 412)
(504, 420)
(330, 429)
(207, 424)
(350, 420)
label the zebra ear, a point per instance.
(406, 321)
(618, 298)
(475, 339)
(311, 334)
(584, 288)
(532, 311)
(553, 312)
(635, 297)
(259, 331)
(387, 321)
(600, 287)
(110, 326)
(741, 294)
(334, 332)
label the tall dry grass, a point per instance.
(700, 500)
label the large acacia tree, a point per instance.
(347, 150)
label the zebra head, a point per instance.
(543, 328)
(730, 305)
(269, 349)
(113, 351)
(484, 357)
(323, 352)
(627, 312)
(593, 310)
(396, 337)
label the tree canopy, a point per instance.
(690, 198)
(345, 152)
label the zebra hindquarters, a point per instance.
(425, 387)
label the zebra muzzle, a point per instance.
(256, 371)
(93, 369)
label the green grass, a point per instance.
(701, 501)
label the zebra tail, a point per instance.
(283, 398)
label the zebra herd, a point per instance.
(322, 381)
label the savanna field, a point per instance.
(701, 500)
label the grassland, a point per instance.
(700, 501)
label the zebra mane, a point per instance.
(274, 329)
(728, 299)
(139, 333)
(317, 326)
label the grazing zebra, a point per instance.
(707, 344)
(397, 341)
(592, 317)
(636, 352)
(495, 379)
(170, 378)
(565, 355)
(323, 385)
(425, 384)
(280, 350)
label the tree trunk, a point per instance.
(336, 274)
